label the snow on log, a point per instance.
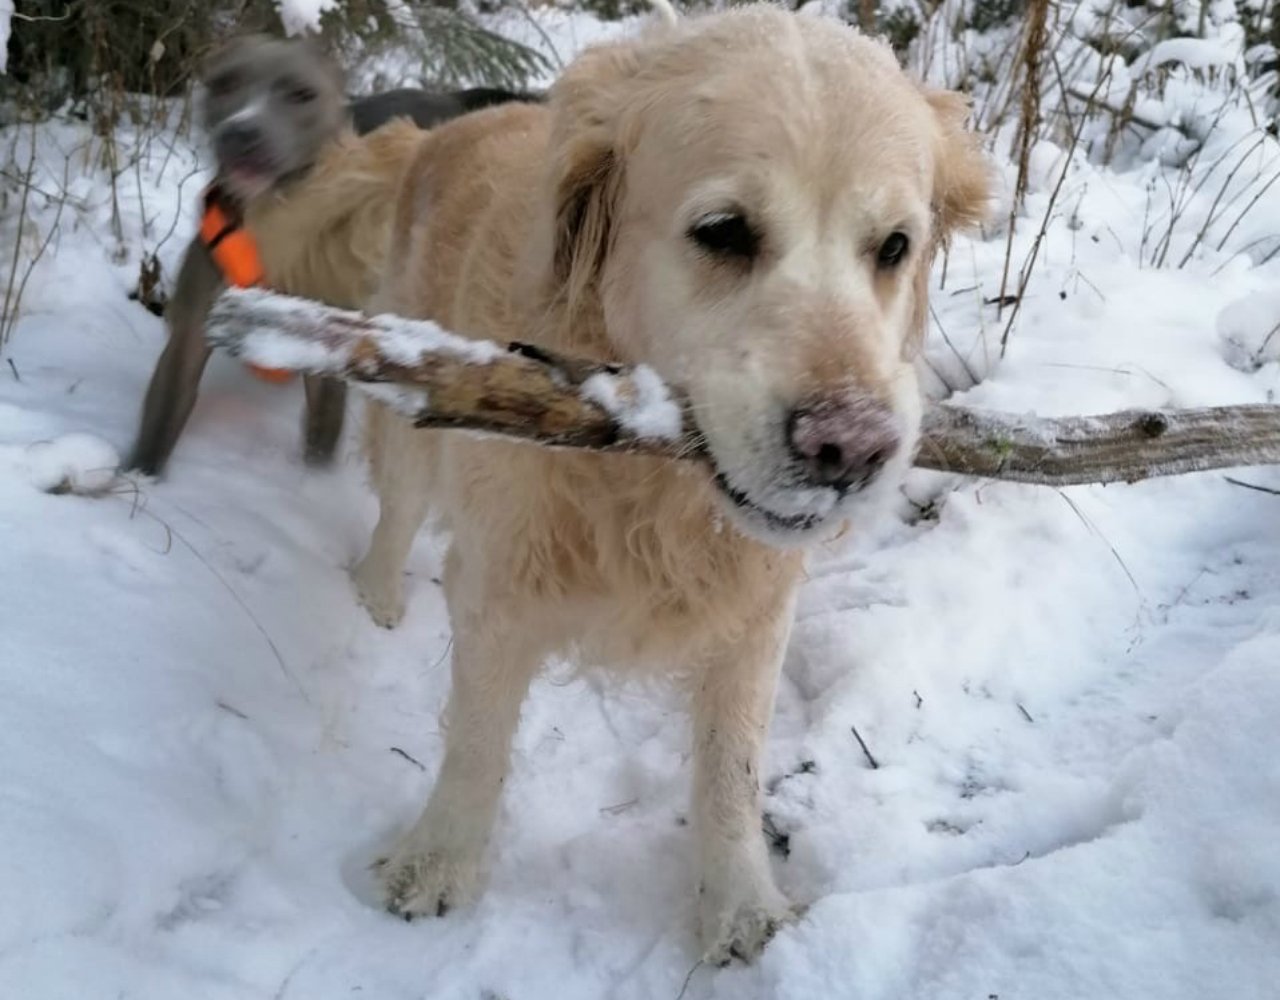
(437, 379)
(1114, 447)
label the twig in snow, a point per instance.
(688, 979)
(1024, 278)
(779, 841)
(172, 533)
(288, 980)
(232, 709)
(10, 306)
(875, 764)
(942, 330)
(1260, 354)
(1025, 714)
(1252, 486)
(1084, 519)
(411, 759)
(14, 369)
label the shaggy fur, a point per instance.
(575, 226)
(327, 238)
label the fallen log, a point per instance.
(437, 379)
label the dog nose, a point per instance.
(239, 139)
(842, 442)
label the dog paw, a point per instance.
(427, 884)
(384, 601)
(743, 930)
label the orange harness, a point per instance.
(235, 254)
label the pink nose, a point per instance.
(843, 441)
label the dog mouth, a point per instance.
(250, 174)
(790, 523)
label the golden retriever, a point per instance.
(748, 202)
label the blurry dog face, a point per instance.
(768, 241)
(268, 108)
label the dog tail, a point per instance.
(665, 10)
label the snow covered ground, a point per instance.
(1073, 696)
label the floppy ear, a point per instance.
(586, 166)
(962, 173)
(961, 194)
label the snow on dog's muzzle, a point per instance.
(842, 441)
(805, 470)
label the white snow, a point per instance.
(1072, 694)
(408, 344)
(407, 401)
(1250, 330)
(642, 405)
(289, 333)
(273, 348)
(299, 16)
(72, 463)
(1194, 53)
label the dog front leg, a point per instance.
(739, 906)
(171, 393)
(326, 411)
(437, 864)
(401, 464)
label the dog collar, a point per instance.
(235, 254)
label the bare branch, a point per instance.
(1114, 447)
(439, 380)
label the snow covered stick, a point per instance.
(437, 379)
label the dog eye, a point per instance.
(892, 250)
(224, 83)
(301, 95)
(726, 234)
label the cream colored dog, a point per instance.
(748, 202)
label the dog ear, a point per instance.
(587, 159)
(962, 173)
(221, 51)
(962, 181)
(323, 57)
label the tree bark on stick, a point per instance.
(438, 380)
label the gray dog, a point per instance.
(269, 109)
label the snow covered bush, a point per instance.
(89, 53)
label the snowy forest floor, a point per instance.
(1072, 695)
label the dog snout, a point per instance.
(240, 139)
(843, 442)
